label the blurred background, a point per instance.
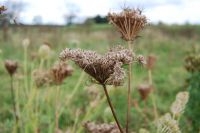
(61, 12)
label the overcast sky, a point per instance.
(168, 11)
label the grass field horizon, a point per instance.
(78, 99)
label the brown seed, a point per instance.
(11, 66)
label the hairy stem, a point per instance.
(112, 109)
(129, 92)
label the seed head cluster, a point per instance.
(105, 69)
(129, 22)
(60, 71)
(166, 124)
(179, 104)
(101, 128)
(55, 75)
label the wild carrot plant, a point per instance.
(129, 23)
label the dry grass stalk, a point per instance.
(129, 22)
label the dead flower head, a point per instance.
(60, 71)
(151, 59)
(144, 90)
(129, 22)
(42, 77)
(106, 69)
(11, 66)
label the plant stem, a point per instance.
(14, 104)
(57, 106)
(129, 92)
(112, 109)
(25, 72)
(153, 96)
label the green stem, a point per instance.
(57, 108)
(112, 109)
(153, 96)
(25, 72)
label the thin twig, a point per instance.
(112, 109)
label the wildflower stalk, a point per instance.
(57, 108)
(153, 96)
(111, 107)
(14, 103)
(129, 91)
(25, 72)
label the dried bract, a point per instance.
(129, 22)
(11, 66)
(105, 69)
(91, 127)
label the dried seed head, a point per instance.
(91, 127)
(25, 42)
(44, 51)
(166, 124)
(141, 59)
(11, 66)
(151, 59)
(104, 69)
(144, 90)
(129, 22)
(60, 71)
(179, 104)
(42, 77)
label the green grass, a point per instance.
(37, 108)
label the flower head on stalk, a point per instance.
(129, 22)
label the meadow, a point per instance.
(64, 108)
